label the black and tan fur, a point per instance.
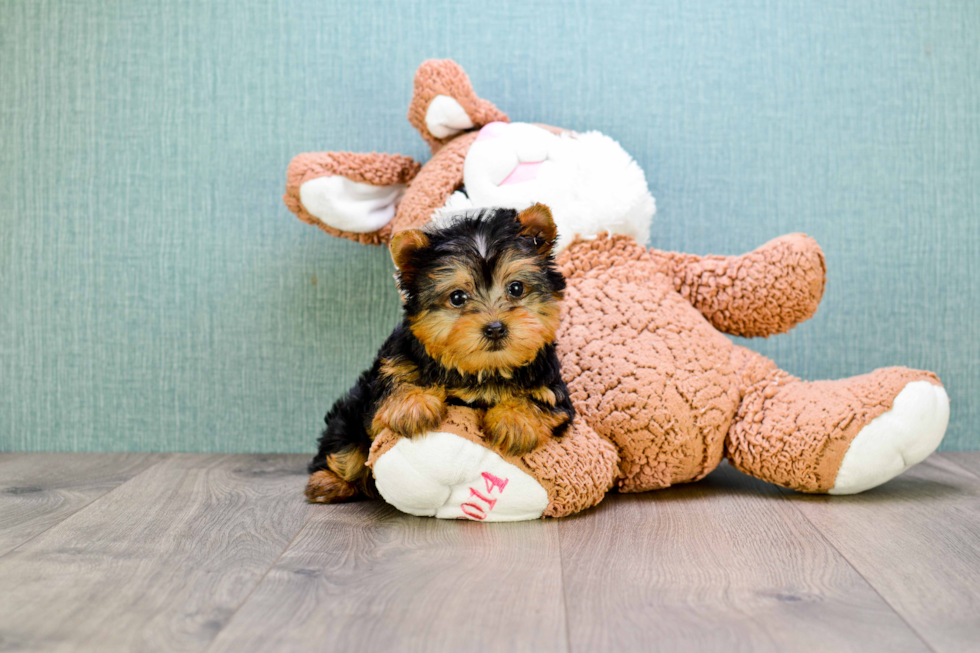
(480, 315)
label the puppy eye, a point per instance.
(516, 289)
(458, 298)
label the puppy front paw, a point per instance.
(515, 428)
(410, 412)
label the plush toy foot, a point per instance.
(839, 437)
(895, 440)
(443, 475)
(452, 473)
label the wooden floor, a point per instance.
(148, 552)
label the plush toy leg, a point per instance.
(453, 474)
(837, 437)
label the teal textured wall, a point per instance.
(155, 294)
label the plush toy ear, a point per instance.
(404, 244)
(536, 222)
(444, 104)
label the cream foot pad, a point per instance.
(443, 475)
(895, 440)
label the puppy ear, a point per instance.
(404, 244)
(537, 223)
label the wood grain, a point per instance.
(723, 564)
(159, 564)
(916, 539)
(40, 490)
(968, 460)
(220, 553)
(363, 577)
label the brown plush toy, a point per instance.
(661, 394)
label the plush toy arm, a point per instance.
(348, 194)
(764, 292)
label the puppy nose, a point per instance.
(495, 330)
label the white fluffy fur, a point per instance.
(588, 180)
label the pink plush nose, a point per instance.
(492, 130)
(523, 172)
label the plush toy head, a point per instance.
(481, 291)
(479, 160)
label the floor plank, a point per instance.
(221, 553)
(363, 577)
(723, 564)
(916, 539)
(161, 563)
(39, 490)
(968, 460)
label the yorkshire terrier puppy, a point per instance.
(481, 303)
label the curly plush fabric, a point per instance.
(765, 292)
(577, 470)
(645, 369)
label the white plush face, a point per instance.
(590, 183)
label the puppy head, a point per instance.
(482, 292)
